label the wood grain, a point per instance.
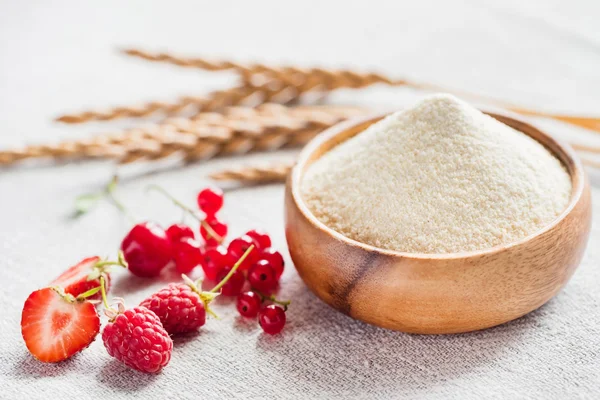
(429, 293)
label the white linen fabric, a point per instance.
(60, 56)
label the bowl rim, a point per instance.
(566, 155)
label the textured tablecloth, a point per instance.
(59, 56)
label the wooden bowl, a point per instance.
(436, 293)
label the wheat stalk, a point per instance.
(213, 101)
(255, 174)
(586, 148)
(202, 143)
(256, 131)
(213, 145)
(247, 95)
(590, 163)
(238, 130)
(305, 79)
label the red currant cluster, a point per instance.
(148, 249)
(140, 337)
(260, 271)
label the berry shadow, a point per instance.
(228, 301)
(351, 352)
(124, 379)
(129, 284)
(245, 325)
(27, 367)
(182, 339)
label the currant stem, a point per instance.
(232, 270)
(272, 298)
(211, 232)
(110, 192)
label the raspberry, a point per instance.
(137, 339)
(178, 307)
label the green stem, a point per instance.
(206, 297)
(99, 266)
(174, 200)
(105, 263)
(232, 271)
(89, 293)
(211, 232)
(272, 298)
(110, 192)
(103, 291)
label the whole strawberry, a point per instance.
(181, 307)
(85, 276)
(81, 277)
(137, 339)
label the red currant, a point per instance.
(147, 249)
(219, 227)
(261, 239)
(215, 259)
(234, 285)
(210, 200)
(262, 277)
(248, 304)
(272, 319)
(238, 247)
(176, 232)
(187, 255)
(274, 258)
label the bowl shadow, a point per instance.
(336, 354)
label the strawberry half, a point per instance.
(82, 277)
(56, 325)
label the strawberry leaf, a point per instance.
(89, 293)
